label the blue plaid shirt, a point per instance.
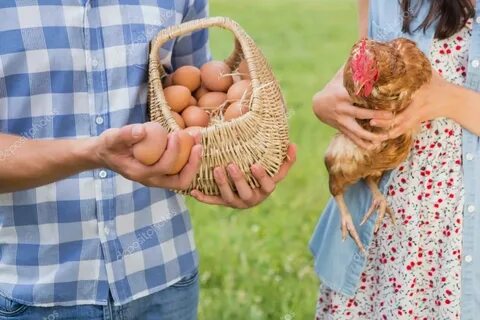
(73, 69)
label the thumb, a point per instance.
(131, 134)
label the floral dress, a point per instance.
(413, 267)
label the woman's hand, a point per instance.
(334, 107)
(433, 100)
(245, 197)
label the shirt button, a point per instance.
(469, 157)
(468, 259)
(94, 63)
(99, 120)
(471, 208)
(102, 174)
(475, 63)
(478, 20)
(106, 231)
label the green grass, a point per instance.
(255, 264)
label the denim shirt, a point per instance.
(339, 264)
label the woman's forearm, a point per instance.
(363, 18)
(26, 163)
(464, 108)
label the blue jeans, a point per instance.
(178, 302)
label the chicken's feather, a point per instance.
(401, 70)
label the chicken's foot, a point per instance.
(347, 223)
(379, 204)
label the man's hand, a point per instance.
(246, 197)
(114, 151)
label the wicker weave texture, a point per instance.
(259, 136)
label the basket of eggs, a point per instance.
(236, 105)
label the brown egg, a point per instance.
(178, 97)
(193, 101)
(200, 92)
(234, 110)
(212, 100)
(150, 149)
(216, 76)
(243, 69)
(179, 120)
(186, 142)
(195, 117)
(239, 89)
(167, 80)
(187, 76)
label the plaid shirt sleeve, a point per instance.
(192, 49)
(73, 69)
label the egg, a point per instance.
(235, 110)
(212, 100)
(150, 149)
(193, 101)
(200, 92)
(186, 142)
(178, 97)
(243, 69)
(216, 76)
(239, 90)
(195, 117)
(179, 120)
(187, 76)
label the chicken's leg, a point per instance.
(379, 204)
(347, 223)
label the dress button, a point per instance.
(99, 120)
(471, 208)
(468, 259)
(102, 174)
(469, 156)
(475, 63)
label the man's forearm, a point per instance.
(26, 163)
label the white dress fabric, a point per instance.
(413, 268)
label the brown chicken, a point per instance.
(379, 76)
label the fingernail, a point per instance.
(373, 123)
(137, 130)
(217, 173)
(232, 169)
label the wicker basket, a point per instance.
(259, 136)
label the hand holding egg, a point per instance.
(150, 149)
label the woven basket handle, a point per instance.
(242, 40)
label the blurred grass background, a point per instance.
(256, 264)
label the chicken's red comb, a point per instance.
(364, 70)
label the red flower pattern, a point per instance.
(413, 267)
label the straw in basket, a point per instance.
(259, 136)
